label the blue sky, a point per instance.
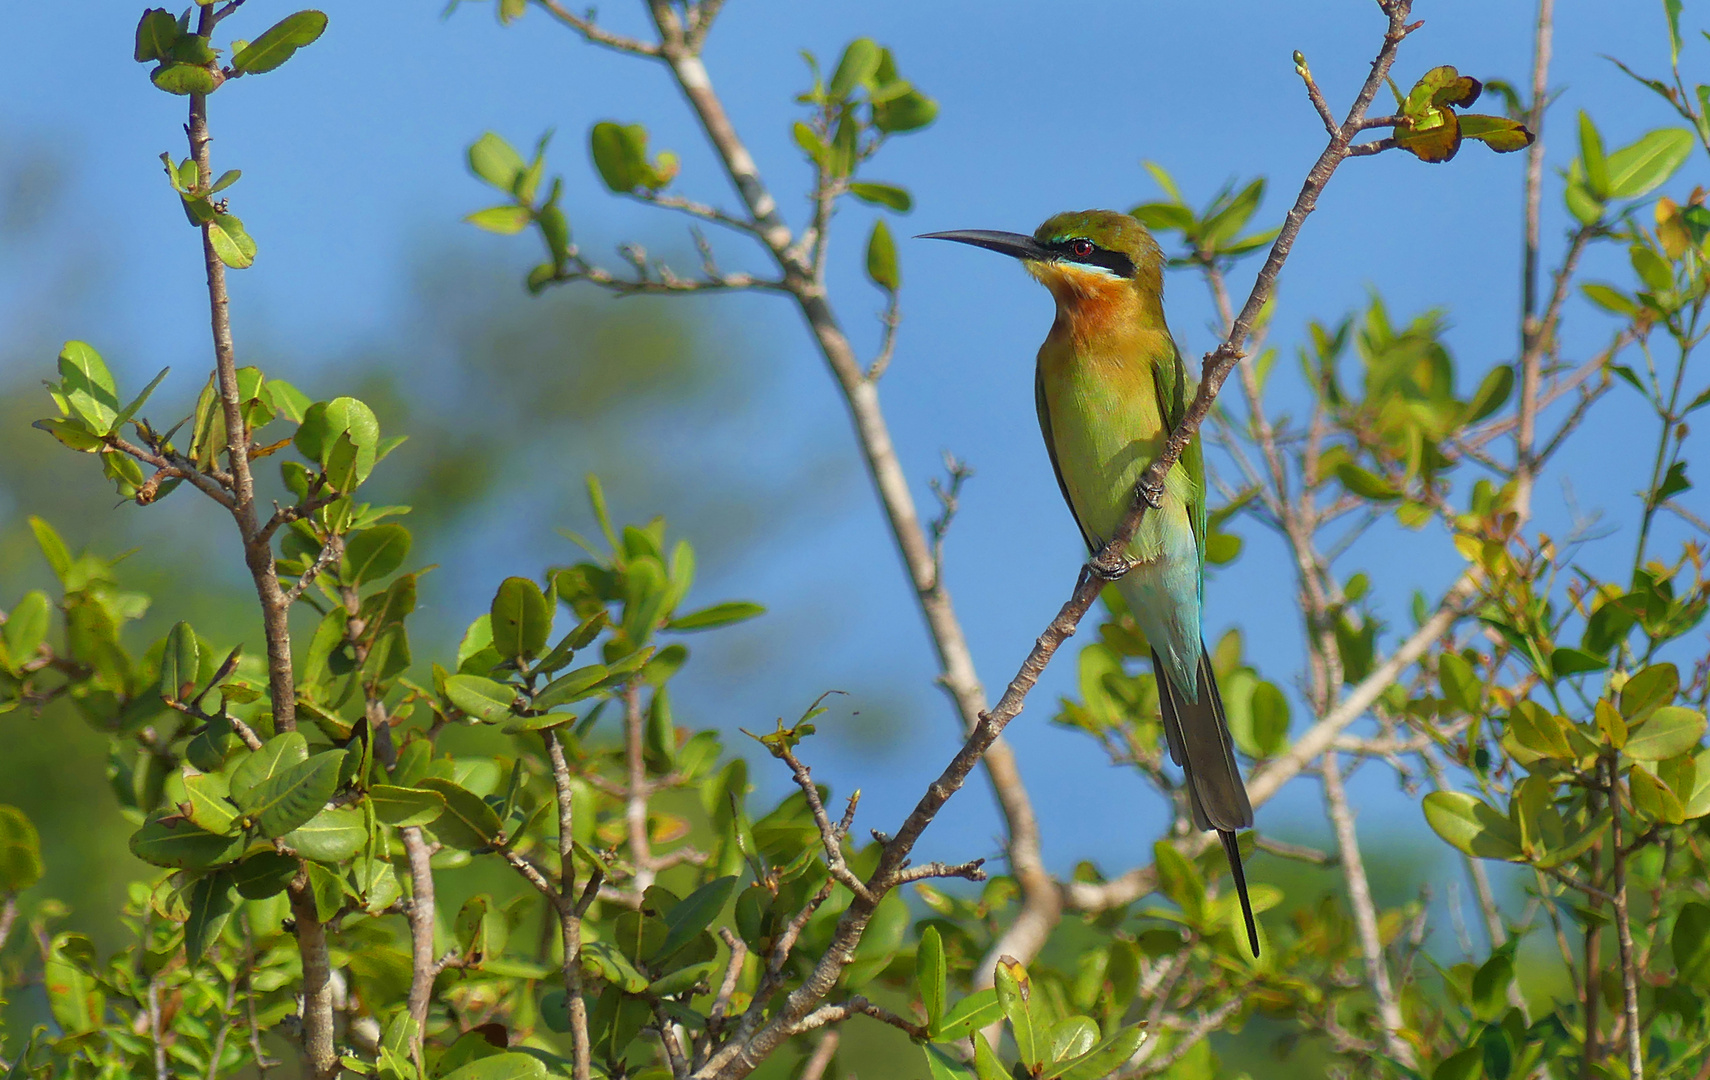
(352, 159)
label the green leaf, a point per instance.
(279, 42)
(374, 553)
(1465, 1064)
(406, 806)
(1566, 661)
(1179, 880)
(209, 798)
(1103, 1060)
(1500, 133)
(882, 271)
(157, 32)
(130, 410)
(1164, 217)
(1645, 690)
(468, 822)
(907, 112)
(986, 1063)
(73, 433)
(1651, 268)
(482, 698)
(930, 975)
(620, 155)
(1492, 393)
(571, 686)
(505, 220)
(495, 161)
(27, 626)
(275, 756)
(1472, 825)
(1490, 986)
(978, 1010)
(211, 905)
(1226, 222)
(941, 1066)
(1670, 730)
(264, 874)
(521, 619)
(1013, 991)
(1072, 1037)
(859, 64)
(1366, 485)
(20, 852)
(294, 794)
(169, 839)
(1690, 942)
(1461, 688)
(1637, 169)
(1270, 720)
(183, 79)
(231, 243)
(74, 994)
(88, 386)
(1592, 158)
(502, 1067)
(887, 195)
(1610, 299)
(331, 835)
(180, 663)
(53, 548)
(694, 914)
(607, 963)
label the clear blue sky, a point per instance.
(352, 154)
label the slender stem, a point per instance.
(317, 983)
(421, 917)
(635, 797)
(1535, 170)
(257, 552)
(1624, 936)
(1365, 911)
(569, 916)
(226, 1022)
(155, 1035)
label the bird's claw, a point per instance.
(1152, 491)
(1112, 569)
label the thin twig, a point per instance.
(1365, 912)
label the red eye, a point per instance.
(1081, 248)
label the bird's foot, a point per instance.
(1152, 491)
(1110, 569)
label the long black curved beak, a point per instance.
(1017, 245)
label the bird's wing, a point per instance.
(1051, 449)
(1170, 381)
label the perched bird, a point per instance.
(1110, 384)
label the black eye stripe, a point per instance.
(1114, 261)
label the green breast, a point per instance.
(1105, 427)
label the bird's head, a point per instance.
(1087, 258)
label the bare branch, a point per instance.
(1202, 1026)
(593, 33)
(570, 911)
(968, 871)
(1365, 912)
(820, 1060)
(857, 1006)
(830, 834)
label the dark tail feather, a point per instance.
(1232, 849)
(1198, 737)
